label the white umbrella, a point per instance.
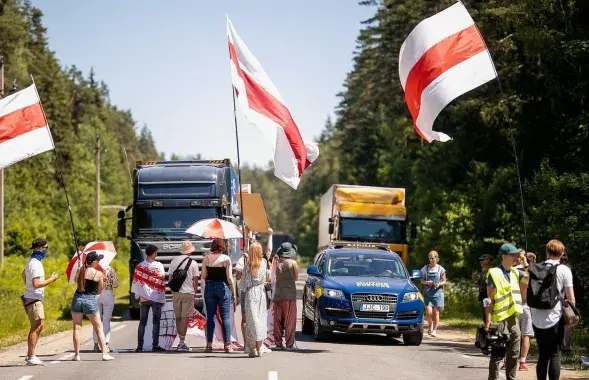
(215, 228)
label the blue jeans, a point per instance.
(84, 303)
(144, 315)
(217, 293)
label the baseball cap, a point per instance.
(93, 256)
(38, 243)
(509, 249)
(486, 256)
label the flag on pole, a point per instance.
(265, 109)
(105, 248)
(443, 57)
(23, 129)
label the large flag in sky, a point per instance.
(23, 129)
(264, 108)
(444, 57)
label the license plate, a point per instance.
(372, 307)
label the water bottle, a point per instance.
(486, 302)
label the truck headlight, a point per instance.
(333, 293)
(410, 296)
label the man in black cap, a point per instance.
(34, 279)
(486, 261)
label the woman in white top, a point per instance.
(434, 278)
(106, 304)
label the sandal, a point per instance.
(228, 348)
(208, 349)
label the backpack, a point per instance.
(179, 276)
(543, 291)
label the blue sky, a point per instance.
(168, 62)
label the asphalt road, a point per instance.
(358, 357)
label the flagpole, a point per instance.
(239, 170)
(58, 165)
(504, 103)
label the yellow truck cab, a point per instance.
(364, 214)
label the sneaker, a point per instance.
(107, 358)
(76, 358)
(96, 348)
(523, 366)
(292, 348)
(434, 333)
(182, 347)
(33, 360)
(158, 349)
(430, 331)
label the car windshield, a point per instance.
(373, 230)
(358, 264)
(173, 221)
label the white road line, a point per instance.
(63, 358)
(461, 354)
(120, 327)
(272, 375)
(26, 377)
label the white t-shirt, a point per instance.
(188, 285)
(33, 270)
(545, 319)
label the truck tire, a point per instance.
(307, 323)
(319, 332)
(134, 314)
(413, 339)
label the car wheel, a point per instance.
(134, 314)
(413, 339)
(307, 323)
(319, 332)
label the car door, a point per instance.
(312, 283)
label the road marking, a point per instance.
(26, 377)
(461, 354)
(272, 375)
(118, 328)
(63, 358)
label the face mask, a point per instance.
(39, 255)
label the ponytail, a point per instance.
(81, 278)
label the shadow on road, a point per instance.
(357, 339)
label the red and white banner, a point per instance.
(265, 109)
(106, 248)
(444, 57)
(148, 283)
(23, 128)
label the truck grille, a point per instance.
(374, 298)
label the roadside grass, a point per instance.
(14, 324)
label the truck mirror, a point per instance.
(236, 212)
(331, 228)
(413, 231)
(122, 227)
(121, 214)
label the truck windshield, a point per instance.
(366, 266)
(373, 230)
(173, 221)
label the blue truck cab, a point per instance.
(362, 288)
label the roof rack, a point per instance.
(381, 246)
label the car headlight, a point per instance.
(333, 293)
(410, 296)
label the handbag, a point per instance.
(571, 315)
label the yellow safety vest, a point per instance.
(508, 298)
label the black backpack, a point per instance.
(543, 291)
(179, 276)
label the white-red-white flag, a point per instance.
(444, 57)
(23, 129)
(265, 109)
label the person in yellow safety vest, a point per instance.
(505, 285)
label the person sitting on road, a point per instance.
(90, 283)
(434, 278)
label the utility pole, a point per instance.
(97, 197)
(1, 175)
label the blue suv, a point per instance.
(362, 289)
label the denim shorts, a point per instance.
(85, 304)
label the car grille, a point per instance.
(374, 315)
(374, 298)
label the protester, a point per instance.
(255, 277)
(285, 296)
(434, 278)
(90, 283)
(505, 284)
(549, 324)
(219, 292)
(183, 299)
(34, 279)
(486, 261)
(106, 305)
(149, 285)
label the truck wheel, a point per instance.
(134, 313)
(319, 332)
(307, 323)
(413, 339)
